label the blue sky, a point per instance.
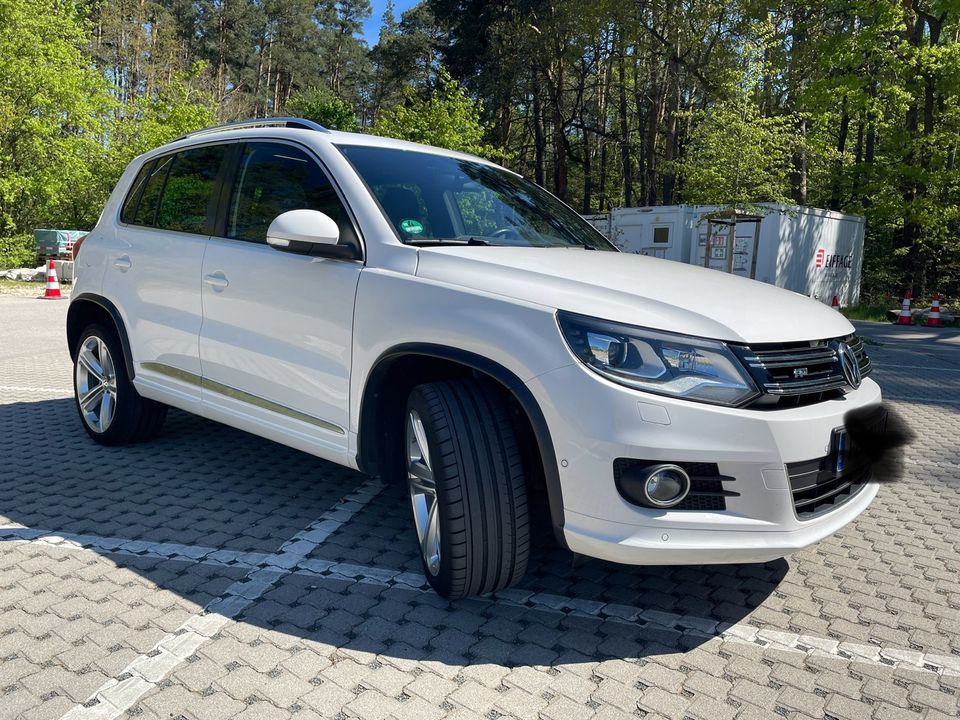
(371, 28)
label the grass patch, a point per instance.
(19, 288)
(875, 312)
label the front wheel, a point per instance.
(467, 488)
(111, 409)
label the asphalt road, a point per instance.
(212, 574)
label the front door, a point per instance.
(275, 345)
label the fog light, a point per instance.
(665, 486)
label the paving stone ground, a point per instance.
(212, 574)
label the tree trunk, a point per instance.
(911, 188)
(539, 142)
(835, 202)
(625, 131)
(670, 143)
(798, 176)
(587, 173)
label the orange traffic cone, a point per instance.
(53, 285)
(905, 318)
(933, 317)
(836, 303)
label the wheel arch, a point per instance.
(89, 308)
(402, 367)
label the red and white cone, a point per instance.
(933, 317)
(53, 285)
(836, 303)
(905, 318)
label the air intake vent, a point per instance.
(817, 488)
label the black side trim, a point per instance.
(74, 314)
(366, 451)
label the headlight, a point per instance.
(657, 362)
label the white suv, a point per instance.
(437, 320)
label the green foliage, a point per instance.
(17, 251)
(736, 157)
(448, 118)
(53, 108)
(853, 105)
(148, 122)
(323, 107)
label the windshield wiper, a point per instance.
(447, 242)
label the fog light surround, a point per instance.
(664, 486)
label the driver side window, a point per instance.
(273, 178)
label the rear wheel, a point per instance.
(467, 487)
(112, 411)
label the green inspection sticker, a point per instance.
(414, 227)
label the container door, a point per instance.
(715, 247)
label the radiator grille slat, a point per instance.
(802, 372)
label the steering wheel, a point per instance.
(507, 233)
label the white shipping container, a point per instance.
(814, 252)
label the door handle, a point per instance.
(217, 280)
(123, 262)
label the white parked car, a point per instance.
(432, 318)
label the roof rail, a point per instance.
(290, 122)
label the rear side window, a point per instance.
(185, 205)
(133, 197)
(273, 179)
(146, 210)
(176, 192)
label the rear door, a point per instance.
(276, 341)
(153, 269)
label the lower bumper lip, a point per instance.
(646, 545)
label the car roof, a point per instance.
(304, 131)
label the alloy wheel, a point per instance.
(96, 384)
(423, 492)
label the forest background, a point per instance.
(852, 106)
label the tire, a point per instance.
(131, 418)
(482, 539)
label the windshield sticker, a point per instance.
(414, 227)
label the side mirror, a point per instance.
(307, 232)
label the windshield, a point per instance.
(434, 199)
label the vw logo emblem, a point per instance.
(849, 364)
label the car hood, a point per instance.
(638, 290)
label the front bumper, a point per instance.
(593, 421)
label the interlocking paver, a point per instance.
(591, 640)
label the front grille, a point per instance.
(817, 488)
(706, 484)
(801, 373)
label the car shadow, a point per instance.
(204, 484)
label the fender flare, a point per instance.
(76, 303)
(484, 365)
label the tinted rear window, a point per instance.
(133, 197)
(186, 197)
(146, 210)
